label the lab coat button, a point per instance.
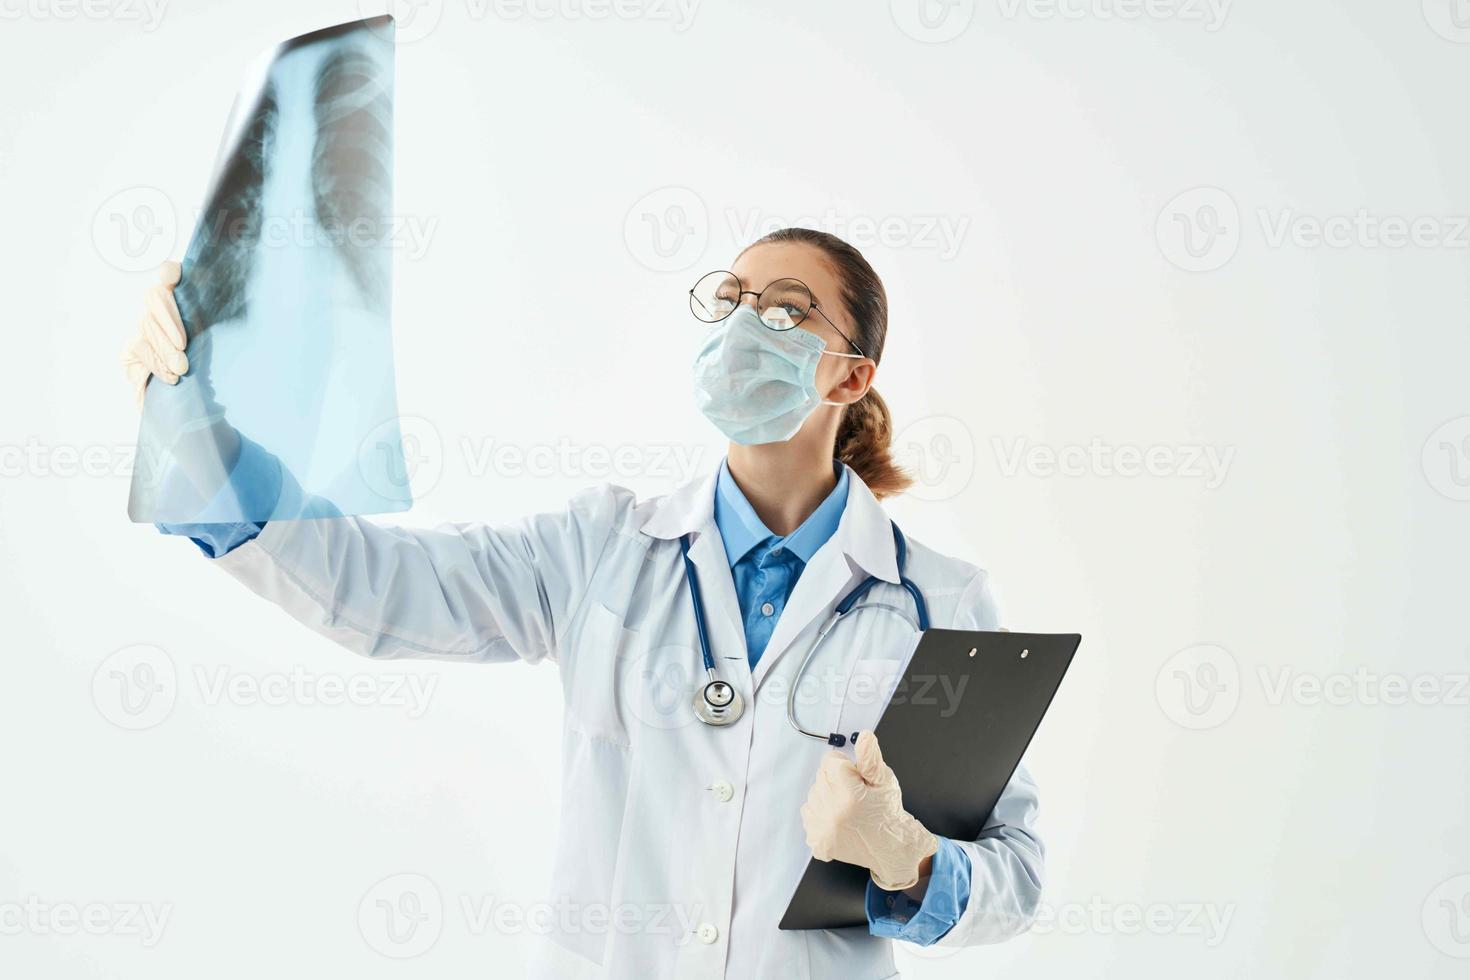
(723, 791)
(707, 933)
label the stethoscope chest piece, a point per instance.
(718, 703)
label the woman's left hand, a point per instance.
(855, 813)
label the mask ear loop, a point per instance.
(838, 353)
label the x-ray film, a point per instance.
(286, 296)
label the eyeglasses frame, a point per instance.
(740, 297)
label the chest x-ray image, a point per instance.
(288, 408)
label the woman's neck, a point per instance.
(784, 481)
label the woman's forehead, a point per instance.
(760, 265)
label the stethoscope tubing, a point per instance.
(692, 576)
(837, 739)
(848, 603)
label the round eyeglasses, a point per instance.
(783, 304)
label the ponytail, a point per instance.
(864, 442)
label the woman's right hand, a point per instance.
(199, 445)
(157, 347)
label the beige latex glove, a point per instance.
(855, 813)
(157, 347)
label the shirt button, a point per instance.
(723, 791)
(767, 609)
(707, 933)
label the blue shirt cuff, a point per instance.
(893, 915)
(255, 485)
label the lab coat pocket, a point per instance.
(870, 686)
(591, 687)
(659, 681)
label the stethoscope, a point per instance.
(717, 703)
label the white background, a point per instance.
(564, 172)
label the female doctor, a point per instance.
(698, 811)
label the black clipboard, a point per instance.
(953, 749)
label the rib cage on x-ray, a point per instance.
(350, 166)
(221, 258)
(286, 292)
(351, 184)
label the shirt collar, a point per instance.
(863, 534)
(742, 529)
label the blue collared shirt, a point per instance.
(765, 568)
(896, 916)
(254, 484)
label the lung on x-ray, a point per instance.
(286, 298)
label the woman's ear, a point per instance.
(855, 384)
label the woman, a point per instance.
(694, 834)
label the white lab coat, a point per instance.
(679, 844)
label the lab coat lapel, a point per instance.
(862, 545)
(717, 585)
(826, 578)
(691, 510)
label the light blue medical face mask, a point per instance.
(758, 385)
